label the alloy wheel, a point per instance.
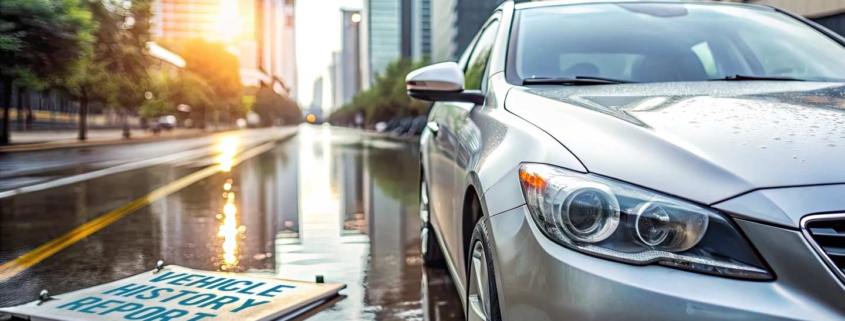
(479, 307)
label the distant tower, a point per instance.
(421, 29)
(350, 76)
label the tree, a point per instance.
(158, 103)
(192, 90)
(271, 106)
(92, 81)
(39, 40)
(386, 99)
(129, 64)
(217, 66)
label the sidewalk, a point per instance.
(41, 140)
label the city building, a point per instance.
(260, 32)
(336, 81)
(349, 71)
(454, 24)
(421, 29)
(317, 98)
(274, 36)
(185, 19)
(386, 35)
(284, 44)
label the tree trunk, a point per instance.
(28, 109)
(83, 115)
(126, 132)
(7, 103)
(21, 125)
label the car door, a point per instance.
(439, 152)
(441, 142)
(463, 136)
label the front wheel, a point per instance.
(482, 296)
(431, 253)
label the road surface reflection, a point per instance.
(331, 202)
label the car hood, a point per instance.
(702, 141)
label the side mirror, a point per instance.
(441, 82)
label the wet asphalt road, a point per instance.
(329, 201)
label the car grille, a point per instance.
(827, 235)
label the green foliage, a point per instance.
(41, 42)
(271, 106)
(92, 80)
(159, 104)
(168, 92)
(192, 90)
(42, 39)
(386, 99)
(130, 63)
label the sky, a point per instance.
(317, 36)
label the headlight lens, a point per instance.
(626, 223)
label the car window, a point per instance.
(705, 56)
(607, 65)
(475, 70)
(671, 42)
(778, 57)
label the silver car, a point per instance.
(613, 160)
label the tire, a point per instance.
(482, 294)
(432, 254)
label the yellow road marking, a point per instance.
(14, 267)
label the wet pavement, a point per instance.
(330, 201)
(25, 168)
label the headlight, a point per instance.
(626, 223)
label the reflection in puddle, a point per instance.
(360, 226)
(228, 148)
(229, 229)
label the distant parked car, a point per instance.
(167, 122)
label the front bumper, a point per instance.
(541, 280)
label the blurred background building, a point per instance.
(382, 23)
(350, 70)
(185, 19)
(316, 107)
(260, 32)
(421, 29)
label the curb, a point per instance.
(91, 143)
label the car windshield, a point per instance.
(666, 42)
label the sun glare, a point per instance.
(228, 24)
